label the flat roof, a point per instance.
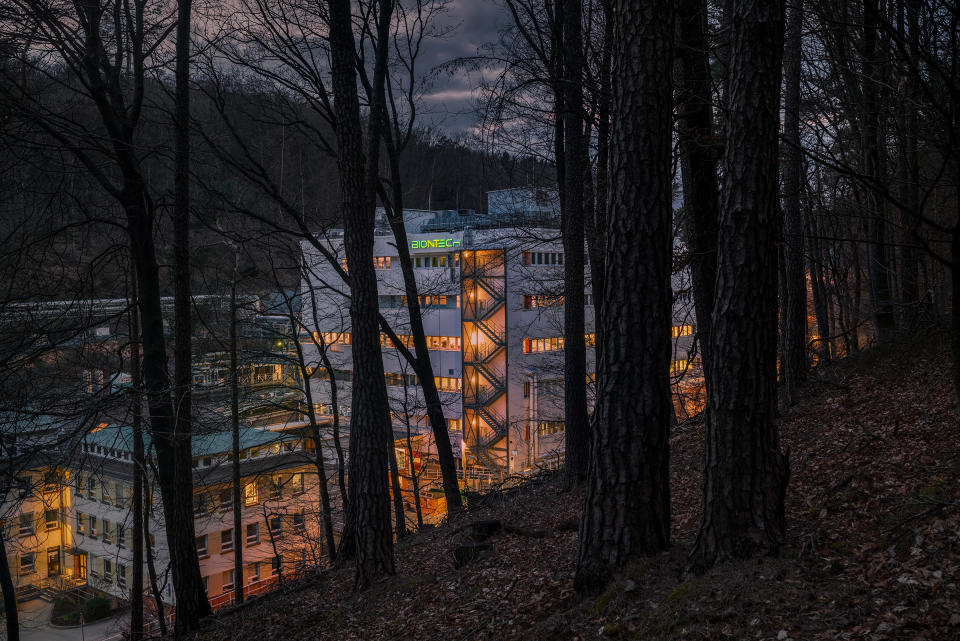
(207, 444)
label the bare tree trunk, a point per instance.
(627, 506)
(368, 514)
(273, 546)
(701, 198)
(414, 479)
(596, 221)
(421, 363)
(9, 595)
(577, 425)
(820, 296)
(136, 589)
(878, 260)
(399, 517)
(235, 449)
(319, 459)
(794, 306)
(148, 551)
(746, 474)
(335, 407)
(909, 167)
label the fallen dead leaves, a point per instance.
(872, 546)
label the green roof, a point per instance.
(121, 437)
(28, 422)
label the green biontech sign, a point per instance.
(435, 243)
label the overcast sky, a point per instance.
(450, 101)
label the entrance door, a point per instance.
(80, 565)
(53, 561)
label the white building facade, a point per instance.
(491, 292)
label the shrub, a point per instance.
(96, 608)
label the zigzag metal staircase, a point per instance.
(485, 381)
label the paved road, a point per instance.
(35, 625)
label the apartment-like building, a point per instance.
(35, 504)
(491, 291)
(280, 513)
(68, 520)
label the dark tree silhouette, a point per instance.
(627, 505)
(746, 474)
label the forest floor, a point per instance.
(873, 542)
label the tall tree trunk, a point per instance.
(399, 516)
(368, 513)
(325, 511)
(746, 474)
(174, 458)
(148, 550)
(577, 425)
(414, 479)
(627, 506)
(596, 221)
(335, 413)
(878, 260)
(820, 297)
(12, 621)
(909, 167)
(235, 434)
(701, 198)
(421, 363)
(136, 588)
(794, 306)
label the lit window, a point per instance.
(250, 494)
(681, 330)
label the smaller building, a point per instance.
(280, 521)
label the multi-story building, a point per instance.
(491, 291)
(280, 511)
(67, 511)
(35, 504)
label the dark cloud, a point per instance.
(449, 103)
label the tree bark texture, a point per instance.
(627, 505)
(174, 458)
(422, 365)
(369, 508)
(698, 158)
(878, 254)
(794, 307)
(136, 587)
(577, 424)
(235, 447)
(746, 474)
(11, 615)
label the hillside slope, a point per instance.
(873, 533)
